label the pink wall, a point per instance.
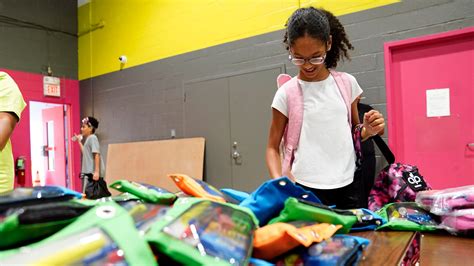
(31, 86)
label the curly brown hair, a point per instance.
(319, 24)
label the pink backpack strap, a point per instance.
(345, 88)
(282, 79)
(294, 99)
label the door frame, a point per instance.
(389, 49)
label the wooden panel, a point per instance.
(150, 161)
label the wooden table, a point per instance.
(386, 247)
(445, 249)
(390, 247)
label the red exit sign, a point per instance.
(51, 86)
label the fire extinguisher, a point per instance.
(20, 167)
(37, 180)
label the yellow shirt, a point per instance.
(11, 100)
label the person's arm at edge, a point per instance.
(78, 138)
(8, 122)
(96, 174)
(80, 145)
(273, 146)
(355, 113)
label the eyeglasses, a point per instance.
(313, 61)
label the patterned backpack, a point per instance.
(395, 183)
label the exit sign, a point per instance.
(51, 86)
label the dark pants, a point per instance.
(84, 179)
(366, 175)
(344, 198)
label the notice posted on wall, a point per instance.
(437, 102)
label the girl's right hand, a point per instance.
(76, 137)
(373, 122)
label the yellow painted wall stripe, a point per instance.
(149, 30)
(344, 7)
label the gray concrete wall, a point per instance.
(146, 102)
(32, 50)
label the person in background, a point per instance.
(325, 160)
(92, 163)
(11, 106)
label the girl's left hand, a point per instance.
(373, 122)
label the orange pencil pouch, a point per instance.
(197, 188)
(275, 239)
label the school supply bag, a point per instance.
(460, 222)
(236, 195)
(26, 196)
(144, 191)
(197, 188)
(301, 210)
(337, 250)
(367, 220)
(444, 201)
(122, 198)
(104, 235)
(203, 232)
(351, 220)
(396, 183)
(28, 224)
(455, 206)
(268, 200)
(145, 214)
(407, 216)
(275, 239)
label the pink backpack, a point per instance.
(294, 98)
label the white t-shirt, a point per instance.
(325, 157)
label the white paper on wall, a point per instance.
(437, 102)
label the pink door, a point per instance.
(430, 97)
(54, 152)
